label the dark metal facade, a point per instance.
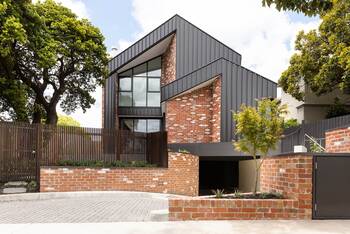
(199, 58)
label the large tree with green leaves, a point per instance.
(308, 7)
(322, 60)
(258, 130)
(48, 56)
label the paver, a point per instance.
(101, 208)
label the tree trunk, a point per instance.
(256, 176)
(37, 117)
(51, 116)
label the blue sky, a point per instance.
(264, 36)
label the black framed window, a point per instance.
(140, 86)
(141, 125)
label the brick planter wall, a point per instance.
(181, 177)
(290, 175)
(338, 140)
(232, 209)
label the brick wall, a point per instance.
(181, 177)
(290, 175)
(194, 117)
(231, 209)
(338, 140)
(169, 63)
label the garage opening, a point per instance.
(218, 175)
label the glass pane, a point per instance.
(140, 70)
(125, 99)
(153, 99)
(154, 67)
(140, 125)
(126, 73)
(125, 84)
(153, 84)
(139, 91)
(127, 124)
(153, 125)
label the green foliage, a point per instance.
(64, 120)
(99, 163)
(47, 56)
(315, 148)
(32, 186)
(259, 129)
(337, 109)
(218, 193)
(322, 60)
(308, 7)
(290, 123)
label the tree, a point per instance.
(48, 57)
(64, 120)
(259, 129)
(308, 7)
(322, 60)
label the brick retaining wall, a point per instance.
(290, 175)
(181, 177)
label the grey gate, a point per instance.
(331, 186)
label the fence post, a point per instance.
(38, 150)
(117, 145)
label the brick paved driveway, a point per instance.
(104, 207)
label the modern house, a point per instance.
(181, 80)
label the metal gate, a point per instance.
(18, 154)
(331, 187)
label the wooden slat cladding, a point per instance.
(25, 147)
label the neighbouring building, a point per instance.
(181, 80)
(314, 107)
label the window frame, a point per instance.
(147, 123)
(147, 77)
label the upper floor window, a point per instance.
(140, 86)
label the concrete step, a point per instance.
(14, 184)
(160, 215)
(14, 190)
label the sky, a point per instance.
(263, 36)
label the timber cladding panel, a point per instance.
(290, 175)
(181, 177)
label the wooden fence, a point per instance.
(26, 147)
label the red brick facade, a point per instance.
(194, 117)
(181, 177)
(290, 175)
(338, 140)
(169, 63)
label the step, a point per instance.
(13, 184)
(14, 190)
(160, 215)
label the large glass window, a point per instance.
(140, 86)
(141, 125)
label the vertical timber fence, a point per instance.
(25, 147)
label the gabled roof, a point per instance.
(194, 47)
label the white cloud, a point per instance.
(262, 35)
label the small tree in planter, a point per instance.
(259, 129)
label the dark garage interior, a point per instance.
(217, 175)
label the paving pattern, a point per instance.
(102, 208)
